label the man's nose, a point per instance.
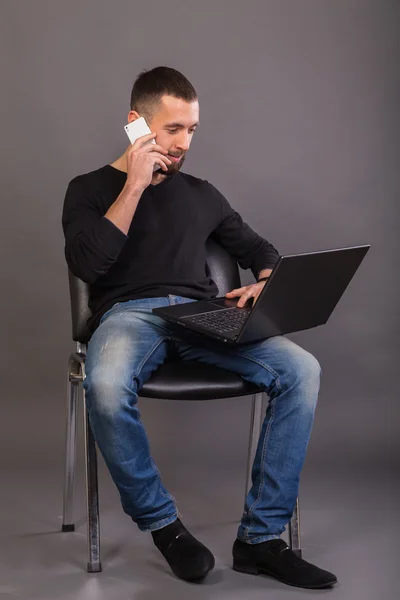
(183, 142)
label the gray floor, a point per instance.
(349, 525)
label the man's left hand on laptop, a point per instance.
(246, 292)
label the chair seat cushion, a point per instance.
(194, 380)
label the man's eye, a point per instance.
(172, 131)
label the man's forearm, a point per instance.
(122, 211)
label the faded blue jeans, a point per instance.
(129, 344)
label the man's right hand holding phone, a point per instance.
(140, 160)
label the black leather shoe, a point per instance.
(188, 558)
(276, 559)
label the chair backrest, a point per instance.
(223, 269)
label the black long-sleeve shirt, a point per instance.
(164, 251)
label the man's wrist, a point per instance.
(264, 273)
(132, 190)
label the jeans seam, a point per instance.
(151, 350)
(263, 453)
(167, 495)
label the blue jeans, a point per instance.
(129, 344)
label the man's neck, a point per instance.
(121, 165)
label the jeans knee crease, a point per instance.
(261, 363)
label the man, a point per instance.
(137, 236)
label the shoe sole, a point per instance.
(251, 570)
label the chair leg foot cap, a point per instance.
(68, 527)
(94, 567)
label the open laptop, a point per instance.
(301, 293)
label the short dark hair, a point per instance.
(151, 86)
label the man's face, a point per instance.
(175, 123)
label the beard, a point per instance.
(175, 167)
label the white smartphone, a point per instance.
(137, 129)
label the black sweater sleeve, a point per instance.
(92, 242)
(242, 242)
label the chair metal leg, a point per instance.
(294, 530)
(73, 378)
(94, 563)
(255, 428)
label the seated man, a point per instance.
(137, 236)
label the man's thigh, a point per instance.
(128, 345)
(272, 362)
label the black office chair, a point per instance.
(173, 380)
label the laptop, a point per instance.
(301, 293)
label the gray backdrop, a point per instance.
(299, 129)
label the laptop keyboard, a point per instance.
(222, 321)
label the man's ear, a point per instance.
(132, 116)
